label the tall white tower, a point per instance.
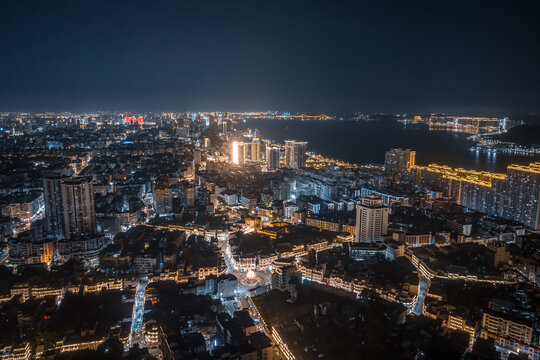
(371, 219)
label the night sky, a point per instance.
(464, 57)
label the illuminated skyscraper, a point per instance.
(295, 154)
(244, 151)
(255, 150)
(522, 200)
(399, 161)
(371, 219)
(272, 158)
(512, 196)
(224, 127)
(234, 152)
(240, 152)
(78, 207)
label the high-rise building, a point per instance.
(225, 125)
(371, 219)
(235, 152)
(295, 154)
(272, 158)
(197, 157)
(190, 195)
(245, 152)
(78, 207)
(522, 200)
(163, 200)
(513, 196)
(53, 204)
(240, 152)
(256, 150)
(399, 161)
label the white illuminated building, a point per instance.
(371, 219)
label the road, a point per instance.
(138, 313)
(422, 291)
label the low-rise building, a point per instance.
(282, 276)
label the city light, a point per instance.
(148, 219)
(235, 152)
(310, 205)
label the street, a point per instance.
(138, 313)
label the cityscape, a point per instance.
(284, 180)
(176, 235)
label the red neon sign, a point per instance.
(133, 120)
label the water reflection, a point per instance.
(366, 142)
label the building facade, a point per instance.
(163, 200)
(295, 154)
(371, 219)
(512, 196)
(78, 207)
(54, 216)
(272, 158)
(399, 161)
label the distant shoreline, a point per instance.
(366, 142)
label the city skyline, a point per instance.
(193, 234)
(369, 188)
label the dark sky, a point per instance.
(466, 57)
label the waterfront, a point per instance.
(366, 142)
